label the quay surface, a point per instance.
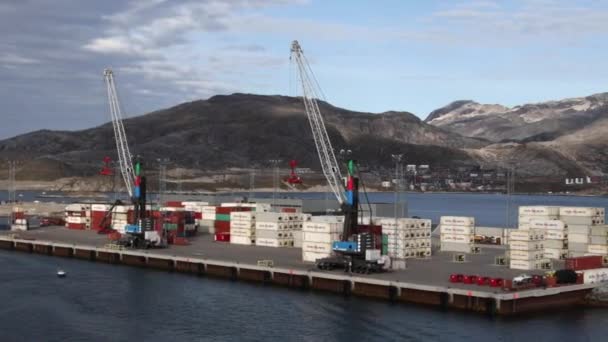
(425, 281)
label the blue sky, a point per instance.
(367, 55)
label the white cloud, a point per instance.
(14, 59)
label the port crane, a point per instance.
(140, 231)
(351, 249)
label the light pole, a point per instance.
(510, 189)
(397, 158)
(162, 178)
(275, 178)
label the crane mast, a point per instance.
(327, 157)
(122, 146)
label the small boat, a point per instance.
(61, 273)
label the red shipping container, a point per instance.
(221, 226)
(20, 215)
(175, 204)
(97, 219)
(77, 226)
(288, 210)
(228, 210)
(584, 263)
(198, 216)
(222, 237)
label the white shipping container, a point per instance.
(555, 235)
(527, 264)
(599, 231)
(583, 220)
(78, 220)
(526, 245)
(457, 221)
(328, 219)
(594, 276)
(209, 209)
(320, 237)
(526, 255)
(242, 231)
(526, 235)
(274, 242)
(538, 210)
(578, 238)
(598, 240)
(242, 216)
(270, 225)
(455, 247)
(460, 230)
(581, 211)
(313, 256)
(598, 249)
(100, 207)
(78, 207)
(555, 253)
(579, 229)
(547, 224)
(316, 247)
(242, 224)
(466, 239)
(208, 216)
(526, 219)
(557, 244)
(241, 240)
(321, 227)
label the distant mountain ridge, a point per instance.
(241, 130)
(552, 139)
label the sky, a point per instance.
(370, 56)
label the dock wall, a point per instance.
(500, 303)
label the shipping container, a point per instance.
(583, 220)
(459, 230)
(457, 221)
(547, 224)
(581, 211)
(598, 249)
(584, 263)
(538, 211)
(594, 276)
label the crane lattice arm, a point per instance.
(310, 93)
(122, 146)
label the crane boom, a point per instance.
(327, 157)
(122, 147)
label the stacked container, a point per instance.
(277, 229)
(196, 208)
(526, 249)
(120, 217)
(19, 221)
(78, 216)
(457, 233)
(556, 237)
(98, 213)
(405, 238)
(580, 221)
(242, 227)
(207, 222)
(598, 244)
(529, 213)
(318, 235)
(222, 220)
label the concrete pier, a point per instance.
(390, 286)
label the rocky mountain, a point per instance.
(552, 138)
(238, 130)
(531, 122)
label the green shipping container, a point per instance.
(222, 217)
(384, 244)
(170, 226)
